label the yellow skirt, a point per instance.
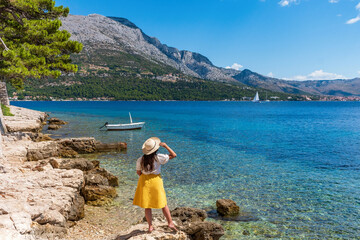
(150, 192)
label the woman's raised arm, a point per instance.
(172, 154)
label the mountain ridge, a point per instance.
(118, 36)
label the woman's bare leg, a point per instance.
(167, 215)
(148, 216)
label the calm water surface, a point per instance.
(293, 166)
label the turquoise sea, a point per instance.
(294, 167)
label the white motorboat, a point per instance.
(123, 126)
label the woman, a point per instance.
(150, 191)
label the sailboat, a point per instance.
(256, 98)
(123, 126)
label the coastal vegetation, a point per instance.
(32, 46)
(6, 110)
(116, 75)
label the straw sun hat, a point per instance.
(151, 145)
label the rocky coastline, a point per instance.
(47, 187)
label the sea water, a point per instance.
(292, 167)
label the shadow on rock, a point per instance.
(130, 235)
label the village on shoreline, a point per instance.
(244, 99)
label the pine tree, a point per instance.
(32, 46)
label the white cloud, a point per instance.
(353, 20)
(318, 75)
(285, 3)
(359, 72)
(333, 1)
(235, 66)
(358, 6)
(270, 74)
(357, 18)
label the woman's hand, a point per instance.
(162, 144)
(138, 172)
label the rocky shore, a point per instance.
(47, 188)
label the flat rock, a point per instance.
(24, 120)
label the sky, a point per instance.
(290, 39)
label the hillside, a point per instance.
(120, 62)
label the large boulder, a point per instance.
(227, 207)
(204, 230)
(113, 180)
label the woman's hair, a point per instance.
(147, 162)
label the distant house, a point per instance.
(274, 97)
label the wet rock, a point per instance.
(98, 195)
(187, 215)
(107, 147)
(56, 121)
(227, 207)
(96, 179)
(113, 180)
(204, 230)
(53, 127)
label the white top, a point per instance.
(161, 160)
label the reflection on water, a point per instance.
(293, 165)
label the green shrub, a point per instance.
(6, 110)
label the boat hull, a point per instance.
(124, 127)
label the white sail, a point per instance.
(256, 98)
(130, 117)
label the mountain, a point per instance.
(253, 79)
(119, 61)
(340, 87)
(100, 33)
